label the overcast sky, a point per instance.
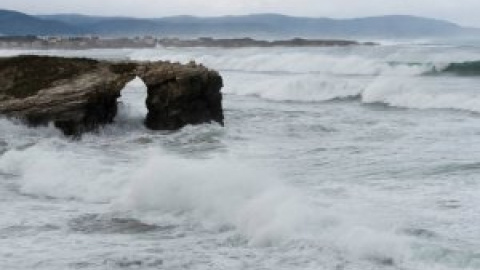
(465, 12)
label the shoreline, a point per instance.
(94, 42)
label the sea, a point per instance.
(338, 158)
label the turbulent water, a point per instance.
(331, 158)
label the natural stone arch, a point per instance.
(79, 94)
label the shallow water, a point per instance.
(330, 159)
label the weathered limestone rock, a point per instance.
(79, 94)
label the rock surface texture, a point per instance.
(79, 95)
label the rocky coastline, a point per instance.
(79, 95)
(94, 42)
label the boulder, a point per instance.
(79, 94)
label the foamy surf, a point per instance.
(317, 179)
(219, 194)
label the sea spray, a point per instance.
(373, 188)
(423, 93)
(302, 88)
(217, 192)
(286, 61)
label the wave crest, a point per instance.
(469, 68)
(416, 92)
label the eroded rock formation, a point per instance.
(78, 94)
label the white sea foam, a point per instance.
(53, 169)
(390, 75)
(307, 87)
(300, 217)
(217, 193)
(418, 93)
(261, 60)
(400, 91)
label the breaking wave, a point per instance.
(423, 94)
(157, 190)
(467, 68)
(416, 92)
(284, 61)
(217, 193)
(464, 68)
(331, 61)
(299, 87)
(126, 180)
(398, 77)
(160, 190)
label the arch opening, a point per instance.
(132, 102)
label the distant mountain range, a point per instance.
(259, 25)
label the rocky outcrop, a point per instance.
(181, 94)
(78, 94)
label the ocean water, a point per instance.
(331, 158)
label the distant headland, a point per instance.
(264, 26)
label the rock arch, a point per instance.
(79, 94)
